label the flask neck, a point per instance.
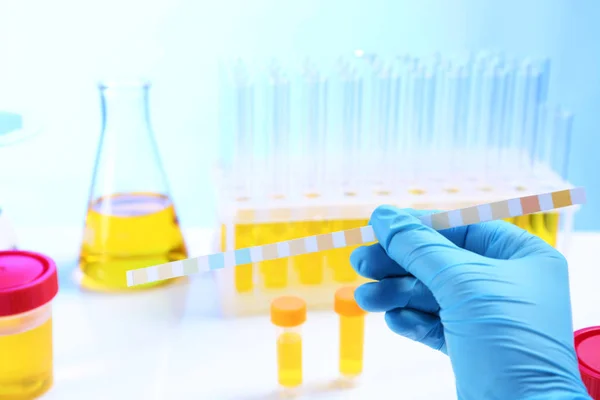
(125, 110)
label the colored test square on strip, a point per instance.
(190, 266)
(514, 207)
(440, 221)
(562, 198)
(297, 247)
(530, 204)
(243, 256)
(165, 271)
(353, 237)
(270, 252)
(216, 261)
(470, 215)
(578, 196)
(139, 276)
(546, 202)
(500, 210)
(324, 242)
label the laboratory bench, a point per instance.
(171, 343)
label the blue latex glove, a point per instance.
(492, 296)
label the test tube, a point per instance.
(313, 129)
(475, 138)
(398, 141)
(352, 332)
(28, 284)
(529, 81)
(507, 142)
(352, 138)
(562, 143)
(494, 116)
(277, 130)
(383, 140)
(243, 144)
(243, 163)
(288, 314)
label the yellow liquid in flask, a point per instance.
(129, 231)
(26, 362)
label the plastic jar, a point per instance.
(28, 284)
(288, 314)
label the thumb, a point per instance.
(420, 250)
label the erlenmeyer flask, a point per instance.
(131, 221)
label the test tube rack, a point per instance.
(306, 152)
(262, 215)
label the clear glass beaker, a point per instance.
(131, 220)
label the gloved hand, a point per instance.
(492, 296)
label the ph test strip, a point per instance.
(357, 236)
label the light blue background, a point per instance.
(53, 52)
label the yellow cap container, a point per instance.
(352, 332)
(288, 313)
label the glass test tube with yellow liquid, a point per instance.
(352, 332)
(288, 314)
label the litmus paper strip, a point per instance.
(312, 244)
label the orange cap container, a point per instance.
(288, 311)
(345, 304)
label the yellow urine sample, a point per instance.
(129, 231)
(352, 332)
(25, 360)
(552, 221)
(352, 339)
(523, 222)
(244, 237)
(538, 227)
(289, 359)
(339, 259)
(309, 267)
(274, 272)
(288, 313)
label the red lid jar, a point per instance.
(27, 281)
(587, 346)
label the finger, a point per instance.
(372, 262)
(502, 240)
(391, 293)
(420, 250)
(418, 326)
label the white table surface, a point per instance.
(171, 343)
